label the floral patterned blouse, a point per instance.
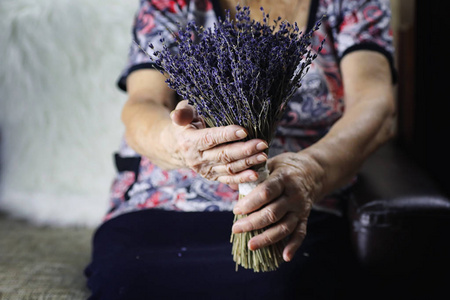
(349, 25)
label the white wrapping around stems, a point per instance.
(247, 187)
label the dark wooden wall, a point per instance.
(424, 90)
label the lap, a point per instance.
(154, 254)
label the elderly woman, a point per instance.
(167, 232)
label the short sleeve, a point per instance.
(154, 21)
(365, 25)
(158, 20)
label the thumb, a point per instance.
(183, 114)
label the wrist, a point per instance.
(313, 172)
(336, 166)
(169, 143)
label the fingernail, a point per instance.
(253, 177)
(262, 146)
(252, 245)
(237, 210)
(241, 134)
(261, 158)
(237, 228)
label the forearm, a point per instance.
(146, 131)
(368, 121)
(146, 116)
(361, 131)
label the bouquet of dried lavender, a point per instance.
(240, 72)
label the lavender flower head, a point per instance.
(240, 71)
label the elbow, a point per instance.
(392, 129)
(389, 131)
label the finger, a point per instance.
(229, 153)
(242, 177)
(263, 194)
(276, 233)
(212, 137)
(234, 186)
(269, 215)
(241, 165)
(295, 241)
(183, 114)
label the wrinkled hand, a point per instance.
(283, 202)
(208, 151)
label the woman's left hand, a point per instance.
(282, 202)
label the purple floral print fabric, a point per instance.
(348, 25)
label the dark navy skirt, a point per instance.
(155, 254)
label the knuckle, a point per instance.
(247, 163)
(225, 135)
(252, 225)
(224, 180)
(308, 206)
(229, 169)
(285, 230)
(227, 180)
(208, 140)
(268, 240)
(207, 172)
(248, 151)
(242, 179)
(301, 232)
(223, 156)
(301, 235)
(270, 215)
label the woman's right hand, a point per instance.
(182, 140)
(209, 151)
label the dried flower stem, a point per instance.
(264, 259)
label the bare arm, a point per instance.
(146, 115)
(368, 122)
